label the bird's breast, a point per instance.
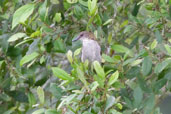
(91, 51)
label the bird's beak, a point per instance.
(76, 38)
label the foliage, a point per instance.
(40, 68)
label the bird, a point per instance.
(91, 50)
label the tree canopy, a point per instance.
(41, 70)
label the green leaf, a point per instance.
(16, 37)
(108, 58)
(94, 86)
(146, 65)
(39, 111)
(159, 84)
(18, 95)
(168, 75)
(54, 1)
(99, 70)
(149, 104)
(82, 2)
(35, 34)
(57, 17)
(21, 14)
(136, 62)
(153, 44)
(32, 99)
(42, 11)
(138, 96)
(113, 111)
(109, 102)
(92, 6)
(161, 66)
(168, 48)
(55, 90)
(77, 52)
(59, 46)
(28, 58)
(120, 48)
(108, 21)
(158, 36)
(41, 96)
(99, 80)
(81, 76)
(61, 74)
(113, 78)
(69, 56)
(52, 111)
(142, 83)
(72, 1)
(133, 72)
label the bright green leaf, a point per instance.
(94, 86)
(61, 74)
(16, 37)
(41, 96)
(136, 62)
(99, 70)
(168, 48)
(69, 56)
(113, 78)
(57, 17)
(108, 21)
(77, 52)
(153, 44)
(28, 58)
(21, 14)
(161, 66)
(120, 48)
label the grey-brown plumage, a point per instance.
(90, 48)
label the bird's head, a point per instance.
(84, 35)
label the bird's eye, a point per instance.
(81, 35)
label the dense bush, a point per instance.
(40, 67)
